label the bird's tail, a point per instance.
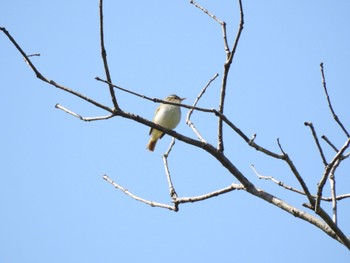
(151, 144)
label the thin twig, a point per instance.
(188, 121)
(313, 131)
(137, 198)
(333, 191)
(195, 130)
(279, 183)
(172, 191)
(338, 198)
(34, 55)
(104, 59)
(206, 11)
(251, 143)
(324, 137)
(222, 23)
(200, 95)
(193, 199)
(335, 116)
(99, 118)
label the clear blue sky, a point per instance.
(55, 206)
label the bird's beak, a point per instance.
(182, 99)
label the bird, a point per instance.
(167, 116)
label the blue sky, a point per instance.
(55, 205)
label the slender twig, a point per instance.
(313, 131)
(200, 95)
(172, 191)
(195, 130)
(137, 198)
(335, 116)
(333, 191)
(222, 23)
(324, 137)
(24, 55)
(104, 59)
(193, 199)
(33, 55)
(338, 198)
(251, 143)
(206, 11)
(279, 183)
(99, 118)
(188, 121)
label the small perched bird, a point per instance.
(167, 116)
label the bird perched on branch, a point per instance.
(167, 116)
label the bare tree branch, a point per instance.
(156, 99)
(51, 82)
(324, 137)
(290, 188)
(334, 147)
(326, 223)
(222, 23)
(328, 168)
(137, 198)
(172, 191)
(33, 55)
(296, 174)
(279, 183)
(317, 142)
(227, 65)
(333, 191)
(338, 198)
(104, 58)
(328, 226)
(58, 106)
(188, 121)
(225, 190)
(335, 116)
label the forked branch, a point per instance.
(227, 64)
